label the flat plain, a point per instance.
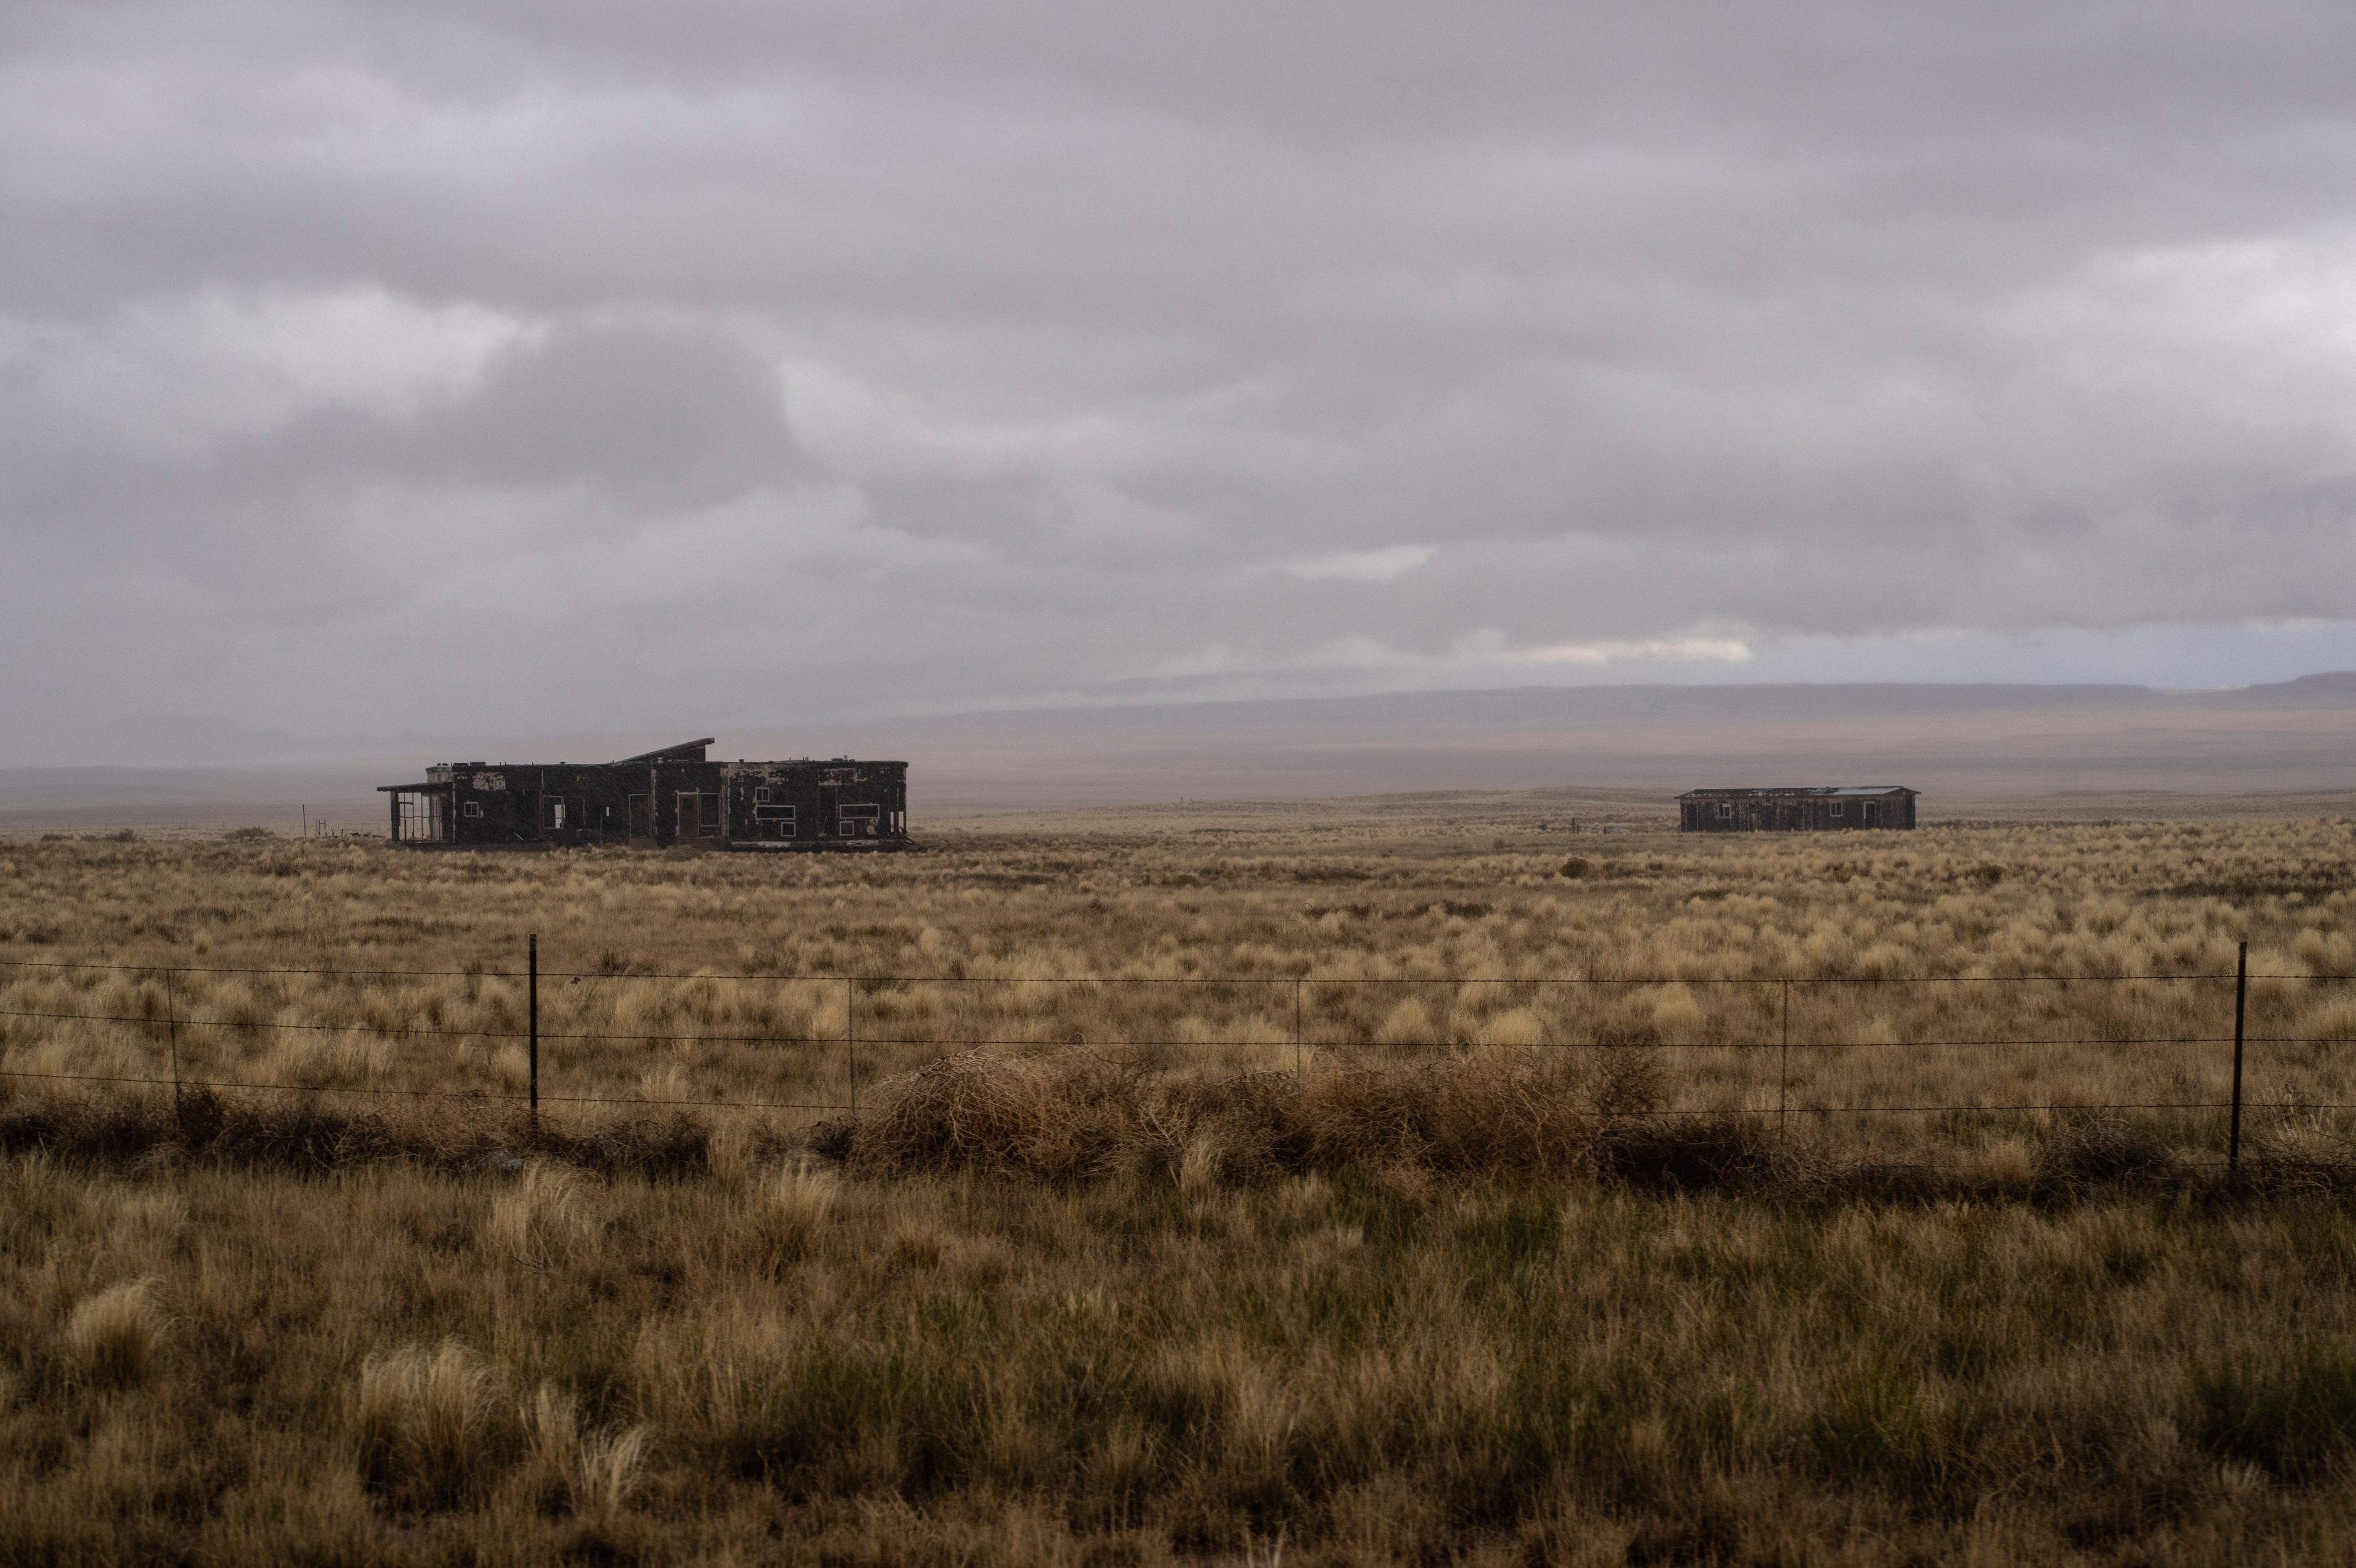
(1392, 1181)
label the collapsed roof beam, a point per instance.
(685, 751)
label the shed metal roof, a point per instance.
(1796, 790)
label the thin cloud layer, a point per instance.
(370, 368)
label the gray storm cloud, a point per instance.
(363, 368)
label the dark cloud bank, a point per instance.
(373, 370)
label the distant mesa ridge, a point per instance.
(1987, 740)
(239, 747)
(2331, 683)
(1661, 701)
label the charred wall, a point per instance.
(775, 805)
(1794, 811)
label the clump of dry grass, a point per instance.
(592, 1474)
(543, 1218)
(788, 1211)
(609, 1469)
(429, 1426)
(115, 1336)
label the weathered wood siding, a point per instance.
(1793, 811)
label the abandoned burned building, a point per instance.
(674, 795)
(1827, 808)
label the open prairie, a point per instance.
(1390, 1181)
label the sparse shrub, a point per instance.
(1621, 1080)
(1497, 1114)
(248, 835)
(971, 1110)
(1685, 1153)
(114, 1337)
(1491, 1113)
(1575, 867)
(2099, 1148)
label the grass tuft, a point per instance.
(542, 1220)
(428, 1427)
(788, 1211)
(115, 1336)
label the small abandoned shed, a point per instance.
(674, 795)
(1827, 808)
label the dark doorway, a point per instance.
(699, 814)
(642, 816)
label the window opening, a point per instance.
(472, 808)
(859, 821)
(419, 816)
(699, 814)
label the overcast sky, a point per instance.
(377, 369)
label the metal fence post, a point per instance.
(1299, 1052)
(172, 1033)
(2241, 1008)
(1784, 1071)
(532, 1009)
(851, 1039)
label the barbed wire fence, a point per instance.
(1759, 1053)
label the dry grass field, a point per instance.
(1358, 1183)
